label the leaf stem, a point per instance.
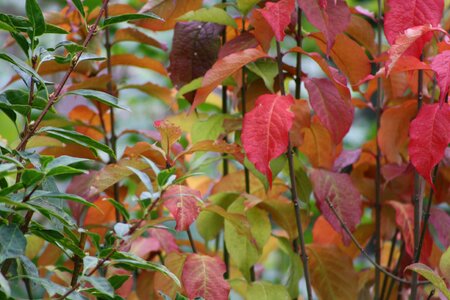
(54, 96)
(361, 249)
(78, 261)
(395, 271)
(191, 240)
(294, 196)
(391, 254)
(378, 106)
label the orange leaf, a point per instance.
(135, 61)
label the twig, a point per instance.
(391, 255)
(54, 96)
(361, 249)
(378, 161)
(417, 196)
(294, 196)
(395, 271)
(78, 261)
(191, 240)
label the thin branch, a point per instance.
(395, 271)
(391, 255)
(417, 196)
(361, 249)
(294, 196)
(191, 240)
(78, 261)
(54, 96)
(378, 106)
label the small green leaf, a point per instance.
(444, 264)
(36, 17)
(102, 97)
(267, 69)
(78, 138)
(430, 275)
(130, 17)
(209, 129)
(117, 281)
(79, 7)
(211, 15)
(245, 6)
(120, 208)
(12, 242)
(267, 291)
(144, 178)
(101, 284)
(21, 65)
(6, 26)
(164, 176)
(49, 28)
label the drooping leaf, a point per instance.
(327, 103)
(203, 277)
(175, 263)
(393, 134)
(100, 96)
(404, 218)
(183, 203)
(265, 131)
(210, 15)
(407, 42)
(101, 284)
(338, 189)
(195, 49)
(129, 17)
(429, 137)
(441, 66)
(402, 15)
(278, 16)
(332, 273)
(331, 19)
(222, 69)
(262, 290)
(432, 276)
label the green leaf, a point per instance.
(191, 86)
(295, 268)
(211, 15)
(431, 276)
(102, 97)
(78, 138)
(164, 175)
(21, 65)
(36, 17)
(12, 242)
(245, 6)
(49, 28)
(6, 26)
(31, 176)
(117, 281)
(209, 129)
(267, 69)
(130, 17)
(444, 264)
(60, 165)
(17, 100)
(79, 7)
(4, 286)
(120, 208)
(90, 56)
(71, 197)
(101, 284)
(267, 291)
(22, 42)
(144, 178)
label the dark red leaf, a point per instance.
(328, 103)
(440, 220)
(340, 191)
(278, 16)
(331, 17)
(429, 136)
(265, 131)
(243, 41)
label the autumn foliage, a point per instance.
(249, 175)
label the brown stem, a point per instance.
(361, 249)
(379, 104)
(391, 254)
(395, 271)
(78, 261)
(54, 96)
(191, 240)
(294, 196)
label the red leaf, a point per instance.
(408, 41)
(165, 238)
(429, 135)
(222, 69)
(402, 15)
(243, 41)
(278, 16)
(331, 17)
(404, 218)
(340, 191)
(265, 131)
(327, 103)
(183, 204)
(195, 49)
(440, 220)
(441, 65)
(203, 277)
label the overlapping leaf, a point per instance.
(441, 65)
(183, 203)
(278, 16)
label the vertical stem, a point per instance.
(298, 67)
(395, 271)
(417, 197)
(191, 240)
(378, 162)
(78, 261)
(294, 196)
(226, 255)
(113, 139)
(391, 254)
